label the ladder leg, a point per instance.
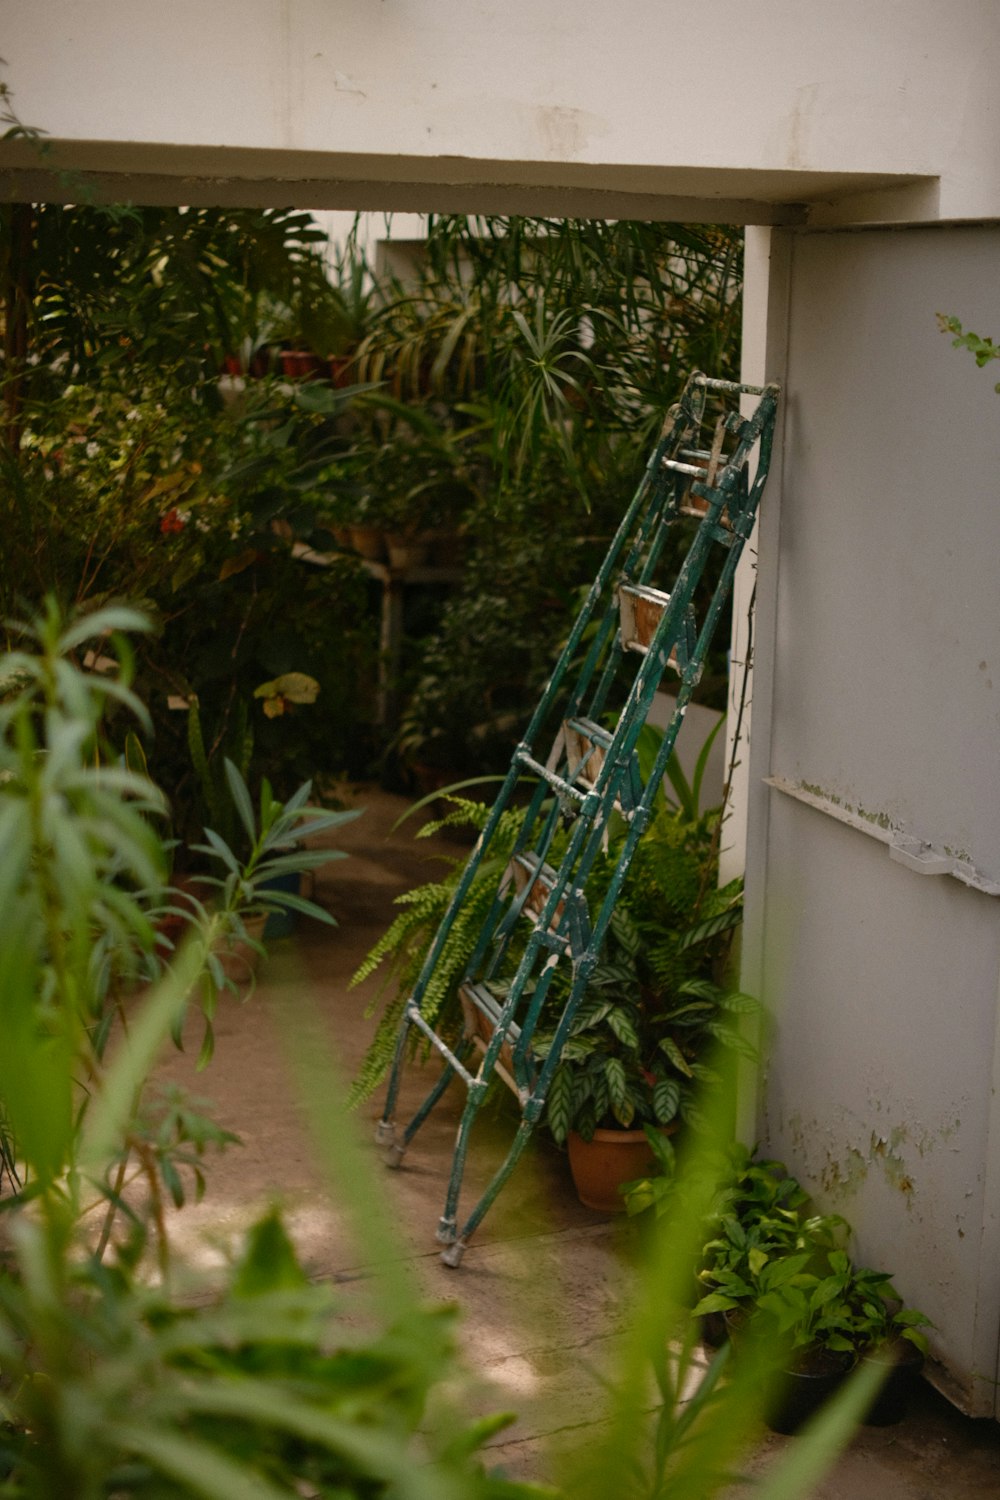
(448, 1221)
(444, 1079)
(452, 1256)
(385, 1130)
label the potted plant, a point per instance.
(757, 1217)
(890, 1335)
(631, 1065)
(774, 1267)
(803, 1304)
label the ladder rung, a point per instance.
(416, 1019)
(697, 506)
(588, 743)
(697, 471)
(558, 783)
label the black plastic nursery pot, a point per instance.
(282, 923)
(904, 1363)
(795, 1395)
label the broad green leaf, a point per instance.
(666, 1100)
(676, 1056)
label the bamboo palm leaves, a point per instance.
(572, 333)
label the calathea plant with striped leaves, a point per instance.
(636, 1052)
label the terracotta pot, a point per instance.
(600, 1166)
(368, 541)
(407, 551)
(299, 364)
(339, 366)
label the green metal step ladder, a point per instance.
(709, 466)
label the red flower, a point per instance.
(172, 521)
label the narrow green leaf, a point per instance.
(241, 800)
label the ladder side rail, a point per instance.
(642, 515)
(465, 882)
(597, 807)
(659, 490)
(538, 994)
(477, 1090)
(579, 859)
(436, 948)
(618, 767)
(547, 920)
(664, 519)
(657, 528)
(500, 905)
(762, 426)
(668, 631)
(597, 588)
(546, 1068)
(688, 683)
(607, 584)
(502, 934)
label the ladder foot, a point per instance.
(446, 1232)
(394, 1155)
(452, 1257)
(385, 1133)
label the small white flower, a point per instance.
(133, 415)
(93, 449)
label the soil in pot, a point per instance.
(796, 1394)
(602, 1165)
(903, 1362)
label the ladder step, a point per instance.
(641, 610)
(481, 1011)
(534, 882)
(587, 746)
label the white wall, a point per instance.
(405, 104)
(878, 570)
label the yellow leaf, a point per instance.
(274, 707)
(237, 564)
(297, 687)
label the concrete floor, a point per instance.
(545, 1290)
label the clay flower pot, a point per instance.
(368, 542)
(600, 1166)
